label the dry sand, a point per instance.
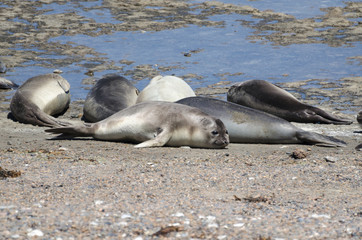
(87, 189)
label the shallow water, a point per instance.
(203, 54)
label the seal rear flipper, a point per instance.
(319, 139)
(318, 115)
(72, 131)
(43, 119)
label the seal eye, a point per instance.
(215, 132)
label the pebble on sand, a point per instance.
(35, 233)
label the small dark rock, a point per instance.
(166, 230)
(299, 154)
(359, 147)
(9, 173)
(330, 159)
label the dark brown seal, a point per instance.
(264, 96)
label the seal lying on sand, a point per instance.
(155, 124)
(7, 84)
(38, 98)
(264, 96)
(108, 96)
(246, 125)
(167, 88)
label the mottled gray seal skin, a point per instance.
(167, 88)
(155, 124)
(247, 125)
(264, 96)
(40, 97)
(7, 84)
(108, 96)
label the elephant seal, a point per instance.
(108, 96)
(264, 96)
(155, 124)
(40, 97)
(167, 88)
(247, 125)
(7, 84)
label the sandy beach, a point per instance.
(88, 189)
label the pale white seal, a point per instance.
(40, 97)
(167, 88)
(155, 124)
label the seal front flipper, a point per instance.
(319, 139)
(161, 138)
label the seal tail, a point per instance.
(72, 131)
(319, 139)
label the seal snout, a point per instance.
(222, 142)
